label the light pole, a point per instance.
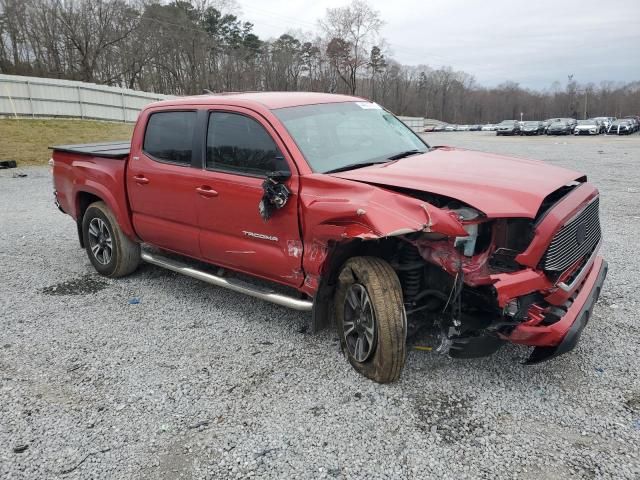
(586, 101)
(521, 114)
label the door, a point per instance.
(161, 182)
(240, 150)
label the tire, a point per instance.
(386, 354)
(110, 251)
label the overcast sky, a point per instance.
(533, 42)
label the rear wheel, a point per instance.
(111, 252)
(371, 319)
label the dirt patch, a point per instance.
(78, 286)
(447, 415)
(632, 402)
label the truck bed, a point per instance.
(118, 150)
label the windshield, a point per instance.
(335, 135)
(586, 122)
(508, 122)
(531, 124)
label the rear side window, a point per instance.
(240, 144)
(169, 136)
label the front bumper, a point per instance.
(563, 335)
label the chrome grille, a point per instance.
(574, 240)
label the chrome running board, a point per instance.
(231, 284)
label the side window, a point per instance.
(240, 144)
(169, 136)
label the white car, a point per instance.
(588, 127)
(489, 127)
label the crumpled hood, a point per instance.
(499, 186)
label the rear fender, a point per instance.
(108, 184)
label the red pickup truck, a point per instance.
(371, 229)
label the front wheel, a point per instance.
(110, 251)
(371, 319)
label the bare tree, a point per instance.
(351, 31)
(92, 27)
(185, 46)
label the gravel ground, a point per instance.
(160, 376)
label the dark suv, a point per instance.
(532, 128)
(508, 127)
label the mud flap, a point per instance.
(474, 347)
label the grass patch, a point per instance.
(27, 141)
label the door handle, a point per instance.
(207, 191)
(140, 179)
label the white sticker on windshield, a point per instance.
(369, 105)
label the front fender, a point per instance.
(335, 209)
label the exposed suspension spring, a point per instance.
(411, 266)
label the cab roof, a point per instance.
(269, 100)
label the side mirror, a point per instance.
(276, 194)
(279, 176)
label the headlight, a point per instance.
(467, 244)
(467, 214)
(512, 308)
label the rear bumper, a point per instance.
(563, 335)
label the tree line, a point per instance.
(190, 47)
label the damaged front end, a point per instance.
(470, 282)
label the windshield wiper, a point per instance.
(353, 166)
(404, 154)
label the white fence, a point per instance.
(48, 97)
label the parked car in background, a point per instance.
(622, 126)
(450, 128)
(439, 128)
(463, 128)
(508, 127)
(532, 128)
(559, 128)
(489, 127)
(606, 122)
(475, 128)
(572, 122)
(588, 127)
(635, 121)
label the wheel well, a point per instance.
(83, 201)
(339, 253)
